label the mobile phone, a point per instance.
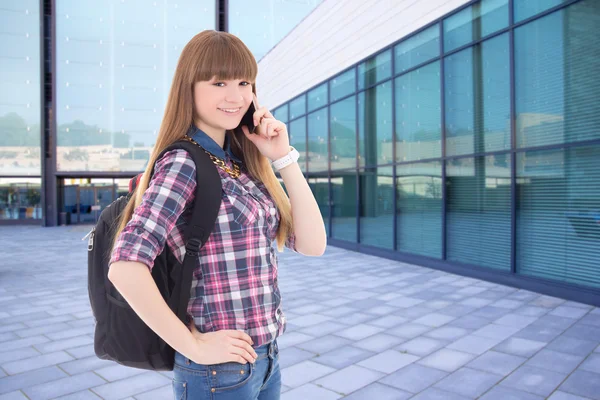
(248, 118)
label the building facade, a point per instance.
(460, 135)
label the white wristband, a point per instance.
(286, 160)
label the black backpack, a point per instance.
(120, 334)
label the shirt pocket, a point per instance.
(244, 206)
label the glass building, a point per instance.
(470, 145)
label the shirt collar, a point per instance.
(211, 146)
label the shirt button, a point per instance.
(261, 212)
(272, 210)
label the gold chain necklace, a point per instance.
(234, 173)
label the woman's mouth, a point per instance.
(231, 111)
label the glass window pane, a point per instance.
(375, 70)
(281, 113)
(20, 198)
(475, 22)
(298, 107)
(375, 125)
(556, 77)
(317, 141)
(377, 207)
(558, 214)
(343, 134)
(317, 97)
(478, 217)
(297, 130)
(320, 189)
(478, 98)
(419, 208)
(264, 23)
(20, 107)
(417, 49)
(115, 62)
(418, 114)
(343, 85)
(343, 206)
(528, 8)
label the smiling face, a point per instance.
(221, 104)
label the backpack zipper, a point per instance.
(91, 240)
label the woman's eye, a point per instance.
(218, 83)
(245, 83)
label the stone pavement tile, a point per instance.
(71, 332)
(377, 391)
(44, 330)
(310, 391)
(131, 386)
(504, 393)
(592, 363)
(308, 309)
(48, 320)
(414, 378)
(497, 363)
(547, 302)
(349, 379)
(469, 322)
(492, 295)
(556, 322)
(476, 302)
(293, 355)
(381, 310)
(448, 333)
(388, 361)
(468, 382)
(516, 320)
(494, 331)
(457, 310)
(82, 351)
(491, 312)
(569, 312)
(22, 343)
(20, 354)
(304, 372)
(510, 304)
(324, 344)
(434, 320)
(571, 303)
(6, 318)
(538, 332)
(437, 304)
(534, 380)
(583, 331)
(379, 342)
(473, 344)
(524, 295)
(446, 360)
(388, 321)
(359, 332)
(358, 318)
(591, 319)
(40, 361)
(404, 302)
(2, 373)
(343, 357)
(6, 336)
(16, 395)
(570, 345)
(409, 330)
(12, 327)
(338, 311)
(292, 339)
(421, 346)
(555, 361)
(412, 313)
(64, 344)
(583, 383)
(558, 395)
(531, 311)
(164, 392)
(117, 372)
(30, 378)
(520, 347)
(438, 394)
(63, 386)
(84, 365)
(81, 323)
(319, 330)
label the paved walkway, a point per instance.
(360, 327)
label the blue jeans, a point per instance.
(229, 381)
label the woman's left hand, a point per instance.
(270, 137)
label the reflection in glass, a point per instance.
(317, 141)
(419, 208)
(375, 125)
(343, 206)
(478, 222)
(417, 49)
(281, 113)
(418, 114)
(343, 84)
(478, 98)
(556, 77)
(527, 8)
(558, 214)
(475, 22)
(377, 207)
(20, 107)
(115, 62)
(20, 198)
(320, 189)
(297, 131)
(343, 134)
(298, 107)
(375, 70)
(317, 97)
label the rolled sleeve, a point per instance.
(170, 191)
(290, 243)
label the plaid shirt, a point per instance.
(235, 281)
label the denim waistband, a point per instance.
(267, 349)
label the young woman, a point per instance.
(229, 350)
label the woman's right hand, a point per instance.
(223, 346)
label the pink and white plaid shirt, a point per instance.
(235, 281)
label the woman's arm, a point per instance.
(309, 228)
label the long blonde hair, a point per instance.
(209, 54)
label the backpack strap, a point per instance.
(204, 215)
